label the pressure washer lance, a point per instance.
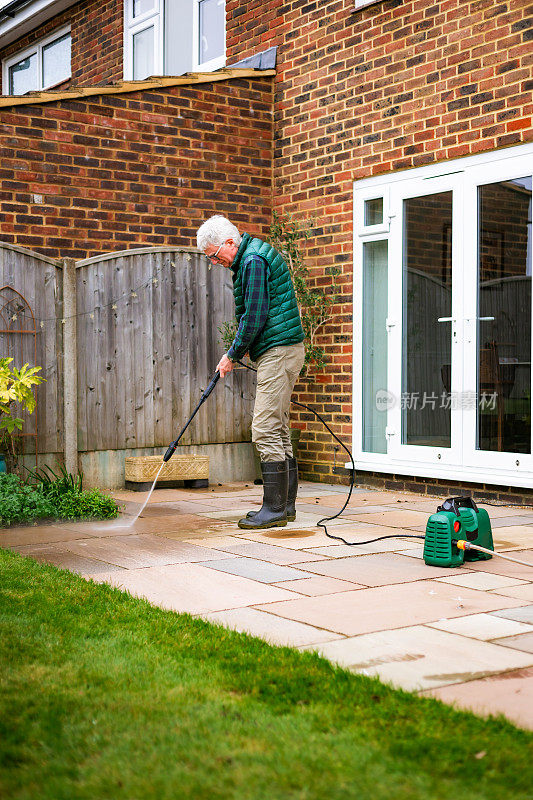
(172, 447)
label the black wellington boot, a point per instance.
(273, 513)
(292, 466)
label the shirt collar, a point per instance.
(242, 247)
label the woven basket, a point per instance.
(180, 467)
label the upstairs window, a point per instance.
(170, 37)
(47, 63)
(143, 46)
(209, 33)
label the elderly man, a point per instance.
(271, 332)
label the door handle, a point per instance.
(446, 319)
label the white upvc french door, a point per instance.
(443, 320)
(497, 431)
(425, 324)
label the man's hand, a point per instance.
(224, 365)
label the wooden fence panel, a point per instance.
(38, 279)
(148, 343)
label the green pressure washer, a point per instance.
(455, 532)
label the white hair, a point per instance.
(215, 231)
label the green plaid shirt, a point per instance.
(256, 303)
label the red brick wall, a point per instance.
(118, 171)
(97, 29)
(395, 85)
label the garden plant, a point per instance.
(16, 393)
(51, 495)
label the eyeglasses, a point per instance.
(214, 257)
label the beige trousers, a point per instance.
(277, 372)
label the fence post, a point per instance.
(70, 367)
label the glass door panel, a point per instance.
(504, 316)
(374, 372)
(427, 320)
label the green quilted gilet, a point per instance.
(283, 325)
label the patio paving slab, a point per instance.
(215, 541)
(295, 539)
(260, 623)
(40, 534)
(59, 557)
(312, 587)
(513, 537)
(509, 693)
(481, 626)
(361, 509)
(256, 570)
(418, 657)
(377, 569)
(183, 507)
(415, 552)
(343, 550)
(171, 523)
(523, 641)
(524, 592)
(510, 520)
(141, 551)
(312, 507)
(375, 497)
(192, 588)
(267, 552)
(523, 613)
(396, 518)
(210, 531)
(388, 607)
(482, 580)
(359, 531)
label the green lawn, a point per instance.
(104, 696)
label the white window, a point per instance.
(170, 37)
(45, 64)
(143, 34)
(209, 34)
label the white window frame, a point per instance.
(364, 230)
(214, 63)
(134, 25)
(34, 49)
